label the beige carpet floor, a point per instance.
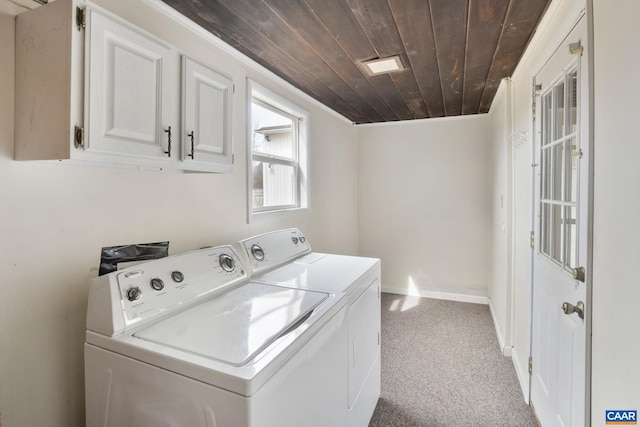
(442, 366)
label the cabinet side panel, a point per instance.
(43, 75)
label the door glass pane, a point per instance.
(547, 106)
(559, 111)
(572, 173)
(546, 174)
(556, 232)
(571, 242)
(572, 97)
(558, 172)
(545, 214)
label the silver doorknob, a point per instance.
(578, 273)
(570, 309)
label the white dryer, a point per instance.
(357, 278)
(189, 340)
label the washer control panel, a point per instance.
(147, 290)
(273, 249)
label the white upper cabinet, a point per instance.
(206, 126)
(110, 93)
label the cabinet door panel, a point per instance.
(131, 93)
(206, 103)
(126, 90)
(210, 100)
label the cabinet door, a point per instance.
(206, 108)
(129, 91)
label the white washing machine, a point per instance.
(189, 340)
(357, 278)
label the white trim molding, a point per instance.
(450, 296)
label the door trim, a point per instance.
(590, 207)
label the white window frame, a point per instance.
(301, 118)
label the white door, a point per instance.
(560, 306)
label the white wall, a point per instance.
(521, 199)
(616, 289)
(424, 205)
(500, 283)
(54, 218)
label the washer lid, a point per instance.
(236, 326)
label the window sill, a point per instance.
(279, 213)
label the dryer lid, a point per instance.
(236, 326)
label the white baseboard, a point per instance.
(476, 299)
(523, 376)
(507, 350)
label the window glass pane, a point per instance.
(273, 132)
(572, 97)
(274, 185)
(559, 111)
(258, 184)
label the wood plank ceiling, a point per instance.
(455, 52)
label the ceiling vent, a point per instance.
(383, 65)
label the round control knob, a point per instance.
(177, 276)
(227, 263)
(302, 239)
(257, 252)
(157, 284)
(294, 240)
(134, 293)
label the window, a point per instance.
(277, 149)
